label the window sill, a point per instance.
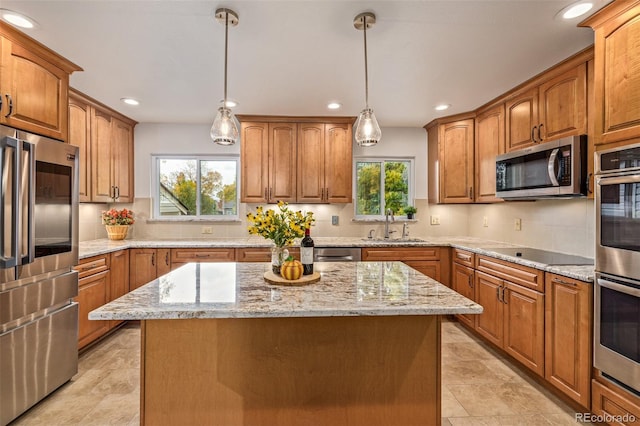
(194, 220)
(396, 220)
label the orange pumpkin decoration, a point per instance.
(291, 269)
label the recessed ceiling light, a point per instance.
(334, 105)
(130, 101)
(17, 19)
(576, 9)
(442, 107)
(230, 103)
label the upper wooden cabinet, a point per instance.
(295, 159)
(617, 72)
(451, 161)
(105, 141)
(34, 85)
(555, 108)
(489, 142)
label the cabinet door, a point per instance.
(524, 326)
(456, 162)
(563, 105)
(163, 264)
(568, 308)
(338, 163)
(122, 158)
(430, 268)
(80, 136)
(463, 283)
(38, 92)
(101, 185)
(119, 277)
(311, 159)
(142, 267)
(282, 162)
(521, 118)
(92, 294)
(489, 142)
(488, 294)
(254, 161)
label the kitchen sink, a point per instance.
(394, 240)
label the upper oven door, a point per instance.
(618, 225)
(49, 213)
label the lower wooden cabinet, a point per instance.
(462, 281)
(163, 264)
(615, 405)
(431, 261)
(181, 256)
(93, 292)
(568, 342)
(142, 266)
(119, 271)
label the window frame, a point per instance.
(382, 160)
(155, 187)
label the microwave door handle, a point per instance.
(14, 181)
(631, 291)
(551, 167)
(29, 148)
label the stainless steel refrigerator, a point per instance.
(38, 248)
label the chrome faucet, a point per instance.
(389, 212)
(371, 233)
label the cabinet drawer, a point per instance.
(605, 401)
(203, 255)
(464, 257)
(401, 253)
(261, 254)
(518, 274)
(92, 265)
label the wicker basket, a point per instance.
(117, 232)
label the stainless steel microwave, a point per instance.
(552, 169)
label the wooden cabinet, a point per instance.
(142, 267)
(93, 292)
(431, 261)
(489, 142)
(261, 254)
(105, 142)
(617, 72)
(181, 256)
(163, 264)
(299, 160)
(119, 277)
(568, 342)
(613, 402)
(555, 108)
(513, 300)
(451, 161)
(463, 282)
(34, 83)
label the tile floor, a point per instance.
(479, 387)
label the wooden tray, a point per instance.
(272, 278)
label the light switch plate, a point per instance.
(335, 220)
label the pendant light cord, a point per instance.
(366, 72)
(226, 44)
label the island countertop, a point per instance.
(238, 290)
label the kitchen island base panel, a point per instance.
(376, 370)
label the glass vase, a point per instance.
(278, 256)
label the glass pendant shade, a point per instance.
(224, 130)
(367, 131)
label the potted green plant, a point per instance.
(410, 211)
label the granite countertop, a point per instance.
(238, 290)
(475, 245)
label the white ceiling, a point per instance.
(293, 57)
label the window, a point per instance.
(189, 187)
(382, 184)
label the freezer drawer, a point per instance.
(35, 359)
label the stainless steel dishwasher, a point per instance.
(336, 254)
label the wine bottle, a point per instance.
(306, 252)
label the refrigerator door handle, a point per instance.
(12, 182)
(29, 148)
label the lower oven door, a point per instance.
(617, 329)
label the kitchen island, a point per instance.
(221, 346)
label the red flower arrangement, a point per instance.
(115, 217)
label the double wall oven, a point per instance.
(38, 248)
(617, 286)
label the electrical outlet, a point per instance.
(485, 221)
(518, 224)
(335, 220)
(435, 220)
(207, 230)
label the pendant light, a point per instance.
(367, 131)
(225, 130)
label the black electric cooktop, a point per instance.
(543, 256)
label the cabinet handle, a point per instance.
(471, 192)
(153, 259)
(10, 105)
(540, 138)
(498, 294)
(326, 194)
(270, 193)
(321, 194)
(202, 255)
(166, 258)
(463, 256)
(469, 281)
(117, 192)
(0, 102)
(533, 134)
(559, 281)
(588, 183)
(265, 193)
(112, 194)
(503, 298)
